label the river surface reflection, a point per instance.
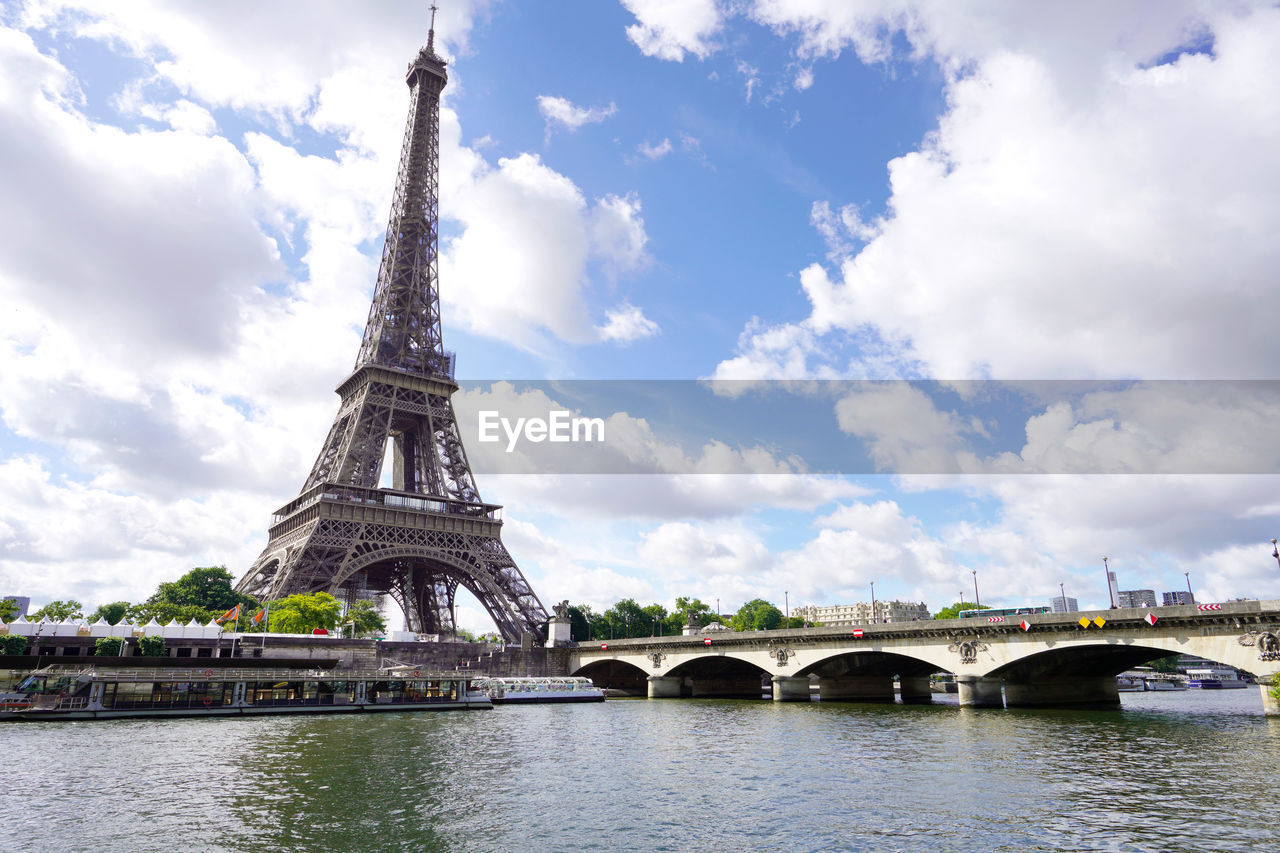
(1172, 771)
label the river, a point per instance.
(1171, 771)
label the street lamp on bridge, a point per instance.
(1275, 551)
(977, 602)
(873, 602)
(1106, 571)
(1063, 590)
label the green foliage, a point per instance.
(693, 607)
(59, 611)
(796, 622)
(580, 622)
(151, 646)
(365, 619)
(464, 636)
(953, 611)
(1165, 664)
(1275, 691)
(109, 646)
(165, 612)
(211, 588)
(8, 609)
(13, 644)
(113, 612)
(756, 615)
(304, 612)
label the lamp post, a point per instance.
(1063, 590)
(1191, 595)
(786, 602)
(977, 602)
(1275, 551)
(873, 602)
(1106, 571)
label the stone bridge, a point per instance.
(1058, 659)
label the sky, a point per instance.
(1026, 254)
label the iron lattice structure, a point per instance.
(430, 533)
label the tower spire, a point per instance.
(431, 33)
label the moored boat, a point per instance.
(1215, 678)
(90, 692)
(529, 690)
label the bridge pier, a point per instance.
(976, 691)
(1270, 704)
(664, 686)
(915, 690)
(855, 688)
(1071, 691)
(791, 688)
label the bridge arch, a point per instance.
(615, 674)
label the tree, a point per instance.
(953, 612)
(365, 619)
(151, 646)
(657, 616)
(795, 622)
(693, 610)
(109, 646)
(626, 619)
(209, 587)
(8, 609)
(13, 644)
(757, 615)
(60, 611)
(304, 612)
(165, 612)
(581, 620)
(113, 612)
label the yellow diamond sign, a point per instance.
(1084, 622)
(1099, 621)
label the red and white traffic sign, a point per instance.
(857, 633)
(1150, 619)
(1024, 625)
(1209, 607)
(604, 647)
(995, 618)
(706, 641)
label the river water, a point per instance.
(1171, 771)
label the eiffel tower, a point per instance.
(430, 532)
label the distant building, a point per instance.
(1136, 598)
(22, 601)
(1172, 599)
(1057, 605)
(862, 614)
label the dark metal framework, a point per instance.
(430, 533)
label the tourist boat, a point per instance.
(91, 692)
(1129, 682)
(1214, 678)
(512, 691)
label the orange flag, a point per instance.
(233, 613)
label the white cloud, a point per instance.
(625, 324)
(654, 152)
(668, 29)
(1076, 213)
(562, 112)
(533, 239)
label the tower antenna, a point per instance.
(431, 33)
